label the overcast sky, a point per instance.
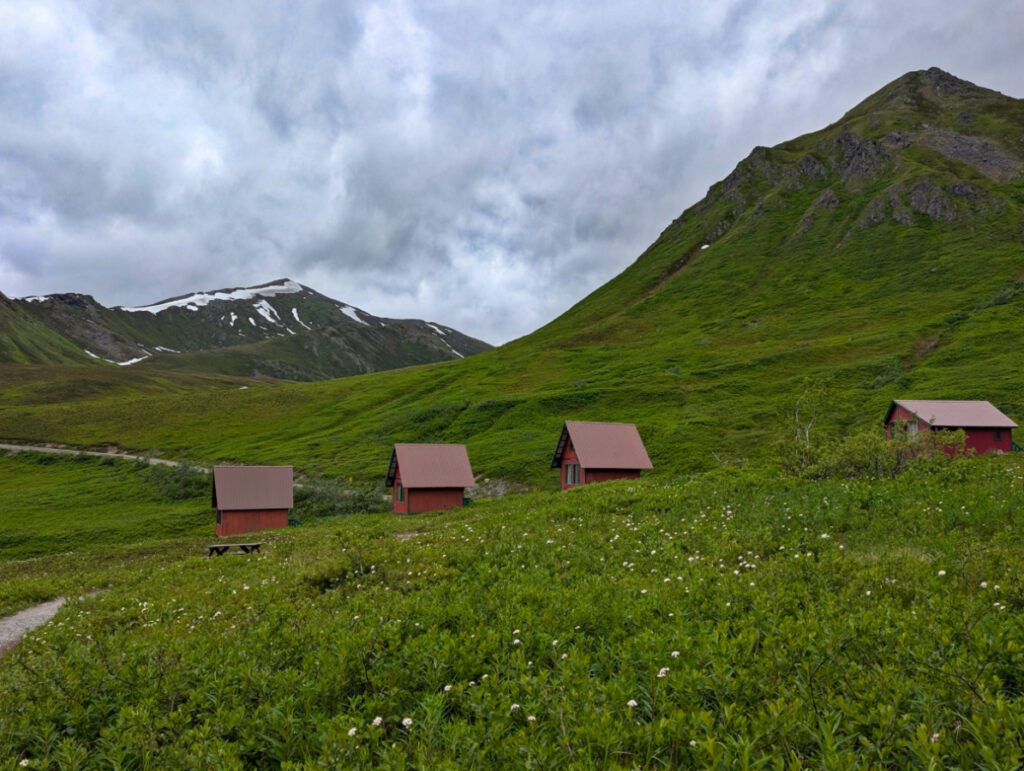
(481, 164)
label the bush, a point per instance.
(869, 454)
(332, 497)
(179, 483)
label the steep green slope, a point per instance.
(882, 253)
(26, 341)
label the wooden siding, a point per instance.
(607, 475)
(423, 499)
(237, 522)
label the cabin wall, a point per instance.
(593, 476)
(902, 415)
(569, 457)
(400, 507)
(423, 499)
(986, 440)
(237, 522)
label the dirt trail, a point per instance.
(13, 447)
(13, 628)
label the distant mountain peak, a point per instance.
(197, 300)
(925, 91)
(279, 329)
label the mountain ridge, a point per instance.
(243, 330)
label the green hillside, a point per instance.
(882, 254)
(24, 340)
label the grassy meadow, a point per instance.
(735, 619)
(74, 524)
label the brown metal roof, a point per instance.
(954, 414)
(431, 465)
(604, 445)
(249, 488)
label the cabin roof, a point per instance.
(603, 445)
(953, 414)
(247, 488)
(431, 465)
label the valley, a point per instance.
(728, 609)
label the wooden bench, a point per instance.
(220, 549)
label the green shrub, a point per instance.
(178, 483)
(869, 454)
(323, 497)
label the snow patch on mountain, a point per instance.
(202, 299)
(267, 311)
(295, 313)
(118, 363)
(349, 311)
(435, 327)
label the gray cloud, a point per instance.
(481, 164)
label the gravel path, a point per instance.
(10, 447)
(13, 628)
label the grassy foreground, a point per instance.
(77, 524)
(74, 524)
(735, 619)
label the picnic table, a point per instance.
(220, 549)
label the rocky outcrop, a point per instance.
(858, 157)
(980, 154)
(928, 198)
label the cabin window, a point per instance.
(400, 494)
(572, 474)
(912, 429)
(218, 516)
(998, 436)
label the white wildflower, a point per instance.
(407, 721)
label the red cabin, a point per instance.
(988, 430)
(250, 498)
(597, 452)
(429, 477)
